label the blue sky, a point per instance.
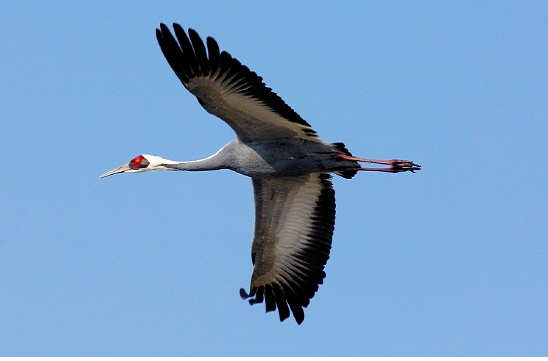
(449, 261)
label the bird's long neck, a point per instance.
(214, 162)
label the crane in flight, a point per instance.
(289, 165)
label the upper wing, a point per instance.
(229, 90)
(294, 223)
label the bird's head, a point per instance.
(141, 163)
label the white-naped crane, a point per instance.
(288, 163)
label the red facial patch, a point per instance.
(139, 162)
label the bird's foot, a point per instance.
(398, 165)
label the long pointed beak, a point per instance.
(121, 169)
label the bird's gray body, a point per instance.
(267, 159)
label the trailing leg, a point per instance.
(396, 165)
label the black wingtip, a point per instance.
(243, 294)
(163, 28)
(177, 27)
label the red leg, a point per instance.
(396, 165)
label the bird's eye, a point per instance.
(139, 162)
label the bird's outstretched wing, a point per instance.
(229, 90)
(294, 222)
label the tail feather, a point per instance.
(340, 147)
(348, 174)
